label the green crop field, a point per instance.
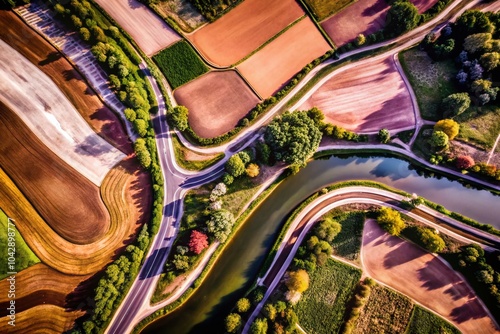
(385, 312)
(424, 321)
(180, 64)
(322, 307)
(322, 8)
(23, 256)
(348, 242)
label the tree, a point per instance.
(390, 220)
(327, 229)
(243, 305)
(448, 126)
(178, 117)
(220, 189)
(480, 86)
(477, 42)
(181, 262)
(263, 153)
(142, 153)
(426, 237)
(293, 137)
(141, 126)
(401, 17)
(360, 40)
(490, 60)
(384, 136)
(227, 178)
(269, 311)
(233, 322)
(252, 170)
(297, 281)
(220, 224)
(464, 162)
(472, 22)
(439, 140)
(455, 104)
(235, 166)
(259, 326)
(198, 241)
(85, 33)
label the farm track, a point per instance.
(48, 59)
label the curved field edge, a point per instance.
(24, 256)
(60, 254)
(198, 163)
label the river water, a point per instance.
(240, 262)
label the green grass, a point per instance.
(480, 125)
(322, 307)
(424, 322)
(347, 243)
(180, 64)
(238, 194)
(322, 9)
(431, 81)
(385, 312)
(24, 256)
(196, 165)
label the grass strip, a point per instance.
(194, 165)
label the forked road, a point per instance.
(136, 304)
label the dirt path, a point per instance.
(54, 120)
(424, 278)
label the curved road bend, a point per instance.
(136, 303)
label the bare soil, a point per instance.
(270, 69)
(41, 105)
(216, 102)
(362, 17)
(424, 278)
(147, 29)
(42, 54)
(366, 98)
(244, 29)
(67, 201)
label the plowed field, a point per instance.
(216, 102)
(362, 17)
(271, 68)
(244, 29)
(148, 30)
(421, 276)
(365, 98)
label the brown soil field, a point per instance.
(67, 201)
(47, 112)
(39, 284)
(126, 192)
(216, 102)
(147, 29)
(244, 29)
(271, 68)
(362, 17)
(42, 54)
(41, 319)
(365, 98)
(424, 278)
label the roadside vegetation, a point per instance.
(23, 256)
(323, 9)
(180, 64)
(213, 9)
(183, 159)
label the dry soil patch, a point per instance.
(271, 68)
(148, 30)
(216, 102)
(365, 98)
(424, 278)
(244, 29)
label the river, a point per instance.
(238, 265)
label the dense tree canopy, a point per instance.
(220, 224)
(390, 220)
(178, 117)
(401, 17)
(293, 137)
(235, 166)
(455, 104)
(297, 281)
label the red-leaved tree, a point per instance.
(198, 241)
(464, 162)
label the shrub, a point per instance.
(425, 237)
(464, 162)
(178, 117)
(243, 305)
(252, 170)
(448, 126)
(438, 140)
(384, 136)
(390, 220)
(228, 179)
(297, 281)
(455, 104)
(198, 241)
(233, 322)
(235, 166)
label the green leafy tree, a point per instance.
(181, 262)
(243, 305)
(178, 117)
(390, 220)
(439, 140)
(259, 326)
(220, 224)
(455, 104)
(233, 322)
(402, 17)
(448, 126)
(477, 42)
(141, 126)
(263, 153)
(235, 166)
(85, 33)
(297, 281)
(384, 136)
(269, 311)
(490, 60)
(142, 153)
(360, 40)
(472, 22)
(293, 137)
(327, 229)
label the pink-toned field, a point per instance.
(365, 98)
(363, 17)
(424, 278)
(145, 27)
(271, 68)
(216, 102)
(244, 29)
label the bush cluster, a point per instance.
(361, 296)
(425, 237)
